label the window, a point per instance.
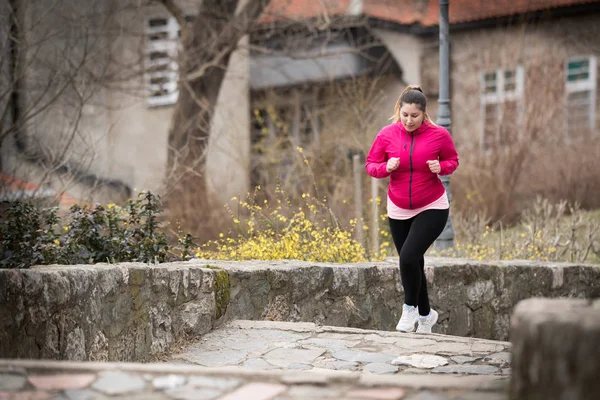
(580, 78)
(162, 38)
(501, 94)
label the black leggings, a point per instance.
(412, 238)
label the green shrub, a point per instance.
(30, 236)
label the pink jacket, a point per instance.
(412, 185)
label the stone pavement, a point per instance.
(262, 360)
(267, 345)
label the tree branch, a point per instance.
(178, 14)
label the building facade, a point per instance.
(515, 67)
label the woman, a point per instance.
(413, 151)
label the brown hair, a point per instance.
(413, 94)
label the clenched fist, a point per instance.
(392, 164)
(434, 166)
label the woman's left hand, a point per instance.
(434, 166)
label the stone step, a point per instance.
(62, 380)
(270, 345)
(267, 360)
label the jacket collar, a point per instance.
(424, 127)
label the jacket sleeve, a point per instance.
(448, 155)
(377, 159)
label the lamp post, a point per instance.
(446, 239)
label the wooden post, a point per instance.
(358, 202)
(374, 217)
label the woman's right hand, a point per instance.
(392, 164)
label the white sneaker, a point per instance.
(424, 324)
(409, 317)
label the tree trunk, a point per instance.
(207, 48)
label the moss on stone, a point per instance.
(222, 291)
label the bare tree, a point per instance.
(58, 62)
(207, 46)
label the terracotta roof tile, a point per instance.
(408, 12)
(17, 185)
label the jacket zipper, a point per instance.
(412, 137)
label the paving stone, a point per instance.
(328, 370)
(481, 396)
(256, 391)
(214, 358)
(193, 393)
(313, 392)
(340, 336)
(478, 347)
(118, 383)
(381, 339)
(463, 359)
(142, 396)
(414, 343)
(168, 381)
(305, 379)
(299, 367)
(498, 358)
(362, 356)
(214, 383)
(329, 344)
(27, 395)
(420, 361)
(12, 381)
(379, 394)
(370, 348)
(61, 382)
(258, 363)
(248, 326)
(427, 396)
(449, 348)
(286, 357)
(414, 371)
(467, 369)
(344, 365)
(256, 345)
(380, 368)
(273, 335)
(84, 394)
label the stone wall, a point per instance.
(129, 312)
(134, 312)
(556, 349)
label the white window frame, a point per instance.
(168, 45)
(588, 84)
(500, 96)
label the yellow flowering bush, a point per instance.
(275, 230)
(280, 228)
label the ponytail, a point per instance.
(413, 94)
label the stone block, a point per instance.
(556, 350)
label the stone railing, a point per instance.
(134, 312)
(556, 349)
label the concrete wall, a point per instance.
(134, 312)
(407, 51)
(228, 160)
